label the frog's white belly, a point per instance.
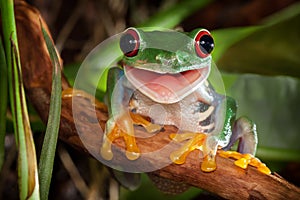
(189, 114)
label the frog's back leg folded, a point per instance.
(244, 131)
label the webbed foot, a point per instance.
(113, 132)
(243, 160)
(120, 127)
(123, 128)
(194, 141)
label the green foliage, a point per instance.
(267, 50)
(27, 166)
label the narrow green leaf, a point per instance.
(172, 16)
(27, 157)
(3, 101)
(49, 145)
(27, 166)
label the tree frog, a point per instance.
(164, 75)
(173, 81)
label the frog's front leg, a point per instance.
(120, 126)
(201, 141)
(207, 142)
(121, 120)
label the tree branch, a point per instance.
(228, 181)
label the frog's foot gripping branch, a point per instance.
(123, 128)
(243, 160)
(195, 141)
(113, 132)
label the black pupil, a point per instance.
(206, 44)
(127, 43)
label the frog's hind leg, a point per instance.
(244, 131)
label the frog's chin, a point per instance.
(166, 88)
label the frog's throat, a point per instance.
(166, 88)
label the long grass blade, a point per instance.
(27, 165)
(49, 145)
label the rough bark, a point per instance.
(227, 181)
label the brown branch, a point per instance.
(227, 181)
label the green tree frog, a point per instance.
(171, 83)
(163, 75)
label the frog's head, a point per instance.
(168, 65)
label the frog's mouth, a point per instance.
(166, 88)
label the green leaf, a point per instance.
(51, 135)
(3, 100)
(27, 166)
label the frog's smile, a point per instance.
(166, 87)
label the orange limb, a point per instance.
(122, 127)
(243, 160)
(132, 150)
(195, 141)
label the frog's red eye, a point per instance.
(130, 43)
(204, 43)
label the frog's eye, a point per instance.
(130, 43)
(204, 43)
